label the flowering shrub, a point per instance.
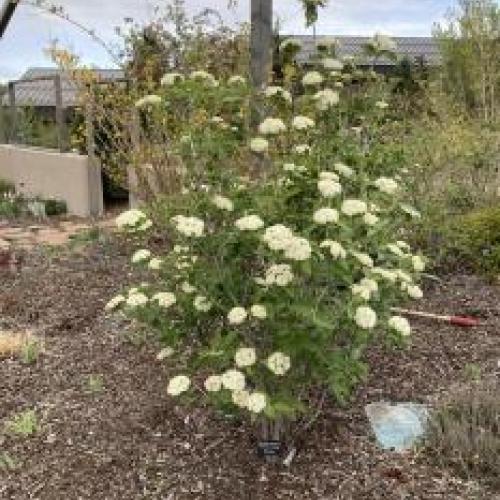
(276, 285)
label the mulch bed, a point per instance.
(130, 441)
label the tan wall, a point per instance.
(50, 174)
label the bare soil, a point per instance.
(130, 441)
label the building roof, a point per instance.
(407, 47)
(6, 13)
(40, 91)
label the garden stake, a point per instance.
(289, 458)
(465, 321)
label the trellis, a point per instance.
(11, 134)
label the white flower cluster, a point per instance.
(234, 381)
(136, 299)
(280, 237)
(277, 237)
(386, 185)
(412, 212)
(189, 226)
(259, 145)
(178, 385)
(165, 299)
(180, 249)
(325, 216)
(418, 263)
(217, 120)
(403, 245)
(245, 357)
(185, 261)
(170, 79)
(352, 207)
(276, 91)
(165, 353)
(114, 303)
(298, 249)
(258, 311)
(148, 101)
(302, 123)
(404, 277)
(223, 203)
(329, 188)
(330, 63)
(237, 80)
(202, 304)
(155, 264)
(383, 42)
(187, 288)
(205, 77)
(279, 363)
(387, 274)
(249, 223)
(365, 317)
(401, 325)
(365, 288)
(326, 175)
(370, 219)
(343, 169)
(257, 402)
(291, 167)
(290, 44)
(395, 249)
(237, 316)
(363, 258)
(325, 99)
(312, 78)
(213, 383)
(337, 251)
(133, 220)
(141, 256)
(302, 149)
(381, 105)
(413, 291)
(272, 126)
(278, 274)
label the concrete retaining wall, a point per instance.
(50, 174)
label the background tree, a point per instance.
(470, 46)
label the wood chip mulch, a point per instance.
(130, 441)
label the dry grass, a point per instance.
(13, 343)
(465, 432)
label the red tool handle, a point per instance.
(464, 321)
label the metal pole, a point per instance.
(60, 121)
(12, 134)
(96, 197)
(133, 180)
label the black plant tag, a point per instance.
(270, 448)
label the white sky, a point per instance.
(31, 31)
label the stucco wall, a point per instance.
(50, 174)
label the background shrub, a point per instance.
(464, 432)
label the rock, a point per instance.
(397, 426)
